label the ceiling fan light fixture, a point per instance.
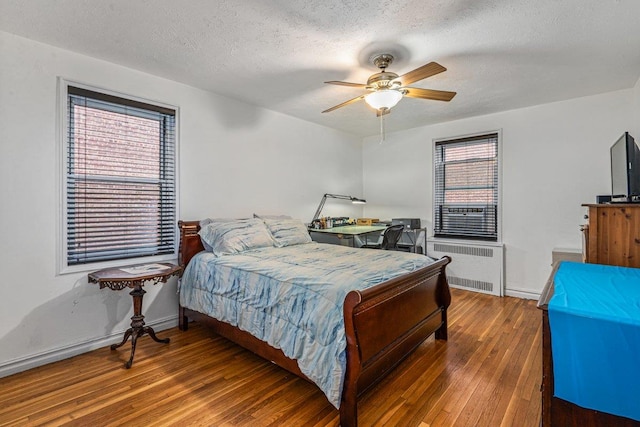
(386, 98)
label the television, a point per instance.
(625, 170)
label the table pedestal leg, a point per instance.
(138, 328)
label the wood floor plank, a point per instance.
(487, 374)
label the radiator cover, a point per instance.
(474, 266)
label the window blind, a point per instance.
(120, 178)
(466, 188)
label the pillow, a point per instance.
(271, 216)
(288, 232)
(236, 236)
(207, 247)
(206, 221)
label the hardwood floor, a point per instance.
(487, 374)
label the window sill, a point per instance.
(465, 241)
(86, 268)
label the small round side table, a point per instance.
(135, 277)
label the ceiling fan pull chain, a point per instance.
(382, 133)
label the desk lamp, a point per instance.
(353, 200)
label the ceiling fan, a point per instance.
(386, 89)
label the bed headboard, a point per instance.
(190, 243)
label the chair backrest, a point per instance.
(391, 237)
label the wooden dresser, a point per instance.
(612, 235)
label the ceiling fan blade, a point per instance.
(333, 82)
(351, 101)
(427, 70)
(383, 112)
(438, 95)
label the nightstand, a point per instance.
(135, 277)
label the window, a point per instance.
(119, 185)
(466, 188)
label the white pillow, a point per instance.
(207, 247)
(288, 232)
(255, 215)
(236, 236)
(210, 220)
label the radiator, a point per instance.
(474, 266)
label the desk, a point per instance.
(134, 277)
(412, 236)
(350, 231)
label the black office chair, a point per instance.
(390, 238)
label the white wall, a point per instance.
(555, 157)
(635, 128)
(234, 159)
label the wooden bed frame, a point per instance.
(383, 324)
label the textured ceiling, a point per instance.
(500, 54)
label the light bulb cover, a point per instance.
(386, 98)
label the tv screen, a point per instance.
(625, 170)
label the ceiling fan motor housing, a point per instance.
(383, 80)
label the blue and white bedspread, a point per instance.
(292, 298)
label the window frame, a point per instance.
(437, 141)
(61, 173)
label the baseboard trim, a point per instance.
(33, 361)
(522, 293)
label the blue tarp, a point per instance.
(594, 316)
